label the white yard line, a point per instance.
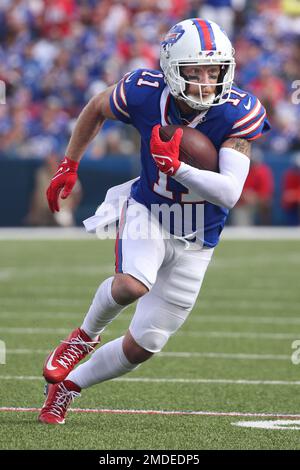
(185, 355)
(22, 351)
(41, 314)
(196, 334)
(197, 317)
(74, 233)
(163, 412)
(232, 305)
(40, 301)
(210, 381)
(239, 334)
(221, 355)
(25, 272)
(235, 304)
(270, 320)
(213, 304)
(255, 261)
(261, 233)
(34, 331)
(173, 380)
(45, 233)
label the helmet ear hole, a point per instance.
(223, 71)
(183, 78)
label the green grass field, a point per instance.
(232, 355)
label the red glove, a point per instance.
(166, 154)
(65, 178)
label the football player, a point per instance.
(195, 88)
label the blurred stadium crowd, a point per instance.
(55, 55)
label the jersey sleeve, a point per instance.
(250, 120)
(137, 92)
(118, 99)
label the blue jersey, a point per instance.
(142, 99)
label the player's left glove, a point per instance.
(166, 154)
(65, 178)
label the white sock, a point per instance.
(102, 310)
(107, 362)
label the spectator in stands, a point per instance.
(55, 55)
(255, 204)
(267, 86)
(291, 192)
(222, 12)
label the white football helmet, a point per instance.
(197, 42)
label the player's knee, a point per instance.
(153, 340)
(126, 289)
(133, 351)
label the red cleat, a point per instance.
(59, 397)
(64, 358)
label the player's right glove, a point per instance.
(166, 154)
(65, 178)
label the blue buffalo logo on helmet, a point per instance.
(172, 36)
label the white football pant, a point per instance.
(171, 268)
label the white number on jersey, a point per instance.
(161, 188)
(142, 82)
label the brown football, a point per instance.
(195, 149)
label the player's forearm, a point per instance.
(223, 189)
(209, 186)
(86, 128)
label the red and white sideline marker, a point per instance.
(163, 412)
